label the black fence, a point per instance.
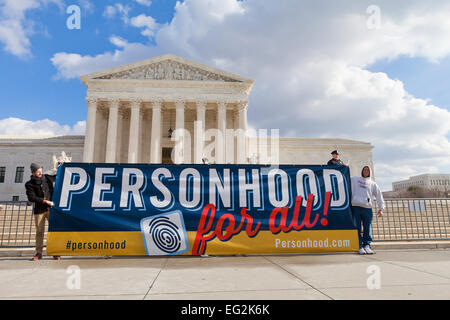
(403, 219)
(17, 226)
(413, 219)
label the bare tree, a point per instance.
(418, 192)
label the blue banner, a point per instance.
(197, 209)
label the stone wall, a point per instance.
(22, 151)
(356, 154)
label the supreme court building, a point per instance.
(134, 111)
(168, 110)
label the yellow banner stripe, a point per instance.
(132, 244)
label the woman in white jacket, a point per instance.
(363, 190)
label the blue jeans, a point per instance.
(363, 217)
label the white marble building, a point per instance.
(439, 182)
(18, 152)
(132, 108)
(169, 110)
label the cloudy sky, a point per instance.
(376, 71)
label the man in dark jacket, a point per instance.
(335, 161)
(39, 190)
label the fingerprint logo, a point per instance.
(165, 234)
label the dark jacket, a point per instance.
(38, 190)
(335, 162)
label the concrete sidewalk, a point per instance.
(401, 274)
(383, 245)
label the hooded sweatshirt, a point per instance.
(363, 191)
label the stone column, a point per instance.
(133, 147)
(179, 132)
(89, 141)
(155, 156)
(111, 142)
(199, 142)
(242, 137)
(242, 114)
(221, 126)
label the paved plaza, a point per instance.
(389, 274)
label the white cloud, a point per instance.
(73, 65)
(15, 28)
(87, 5)
(46, 127)
(146, 3)
(147, 23)
(117, 9)
(309, 61)
(78, 128)
(110, 11)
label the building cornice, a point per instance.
(54, 141)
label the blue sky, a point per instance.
(422, 78)
(31, 91)
(320, 64)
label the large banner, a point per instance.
(141, 209)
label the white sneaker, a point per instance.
(362, 251)
(368, 249)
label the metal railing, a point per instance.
(404, 219)
(17, 226)
(412, 219)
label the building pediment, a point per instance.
(166, 68)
